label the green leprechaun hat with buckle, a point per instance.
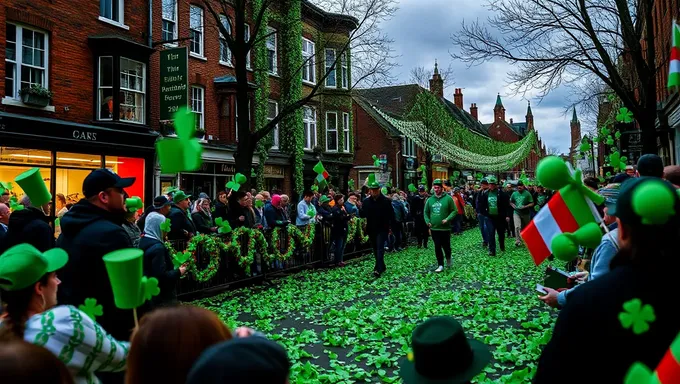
(442, 354)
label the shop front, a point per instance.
(67, 152)
(209, 179)
(440, 171)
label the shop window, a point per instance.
(196, 30)
(78, 160)
(26, 59)
(331, 131)
(129, 84)
(129, 167)
(309, 121)
(169, 28)
(10, 172)
(24, 156)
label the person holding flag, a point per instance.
(377, 209)
(439, 211)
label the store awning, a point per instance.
(41, 128)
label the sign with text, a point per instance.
(174, 81)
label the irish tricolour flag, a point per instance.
(565, 212)
(674, 72)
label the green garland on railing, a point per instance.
(303, 239)
(256, 241)
(261, 72)
(213, 247)
(273, 246)
(356, 229)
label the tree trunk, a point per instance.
(244, 163)
(647, 122)
(429, 170)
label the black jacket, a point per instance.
(87, 234)
(339, 219)
(221, 210)
(378, 213)
(235, 211)
(158, 264)
(180, 222)
(417, 204)
(503, 203)
(3, 233)
(30, 225)
(590, 323)
(202, 222)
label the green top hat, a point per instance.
(23, 265)
(324, 199)
(180, 196)
(134, 203)
(33, 185)
(372, 184)
(130, 288)
(437, 182)
(443, 354)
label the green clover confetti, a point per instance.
(624, 115)
(637, 316)
(92, 309)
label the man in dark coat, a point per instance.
(493, 204)
(181, 225)
(29, 225)
(90, 230)
(377, 209)
(417, 203)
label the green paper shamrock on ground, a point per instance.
(14, 204)
(222, 225)
(653, 202)
(165, 226)
(183, 153)
(624, 116)
(180, 258)
(637, 316)
(92, 309)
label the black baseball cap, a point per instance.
(102, 179)
(421, 188)
(160, 202)
(647, 201)
(650, 165)
(253, 359)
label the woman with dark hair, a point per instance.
(28, 287)
(339, 219)
(169, 341)
(628, 314)
(202, 217)
(22, 362)
(221, 205)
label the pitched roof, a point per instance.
(465, 118)
(397, 100)
(367, 107)
(520, 128)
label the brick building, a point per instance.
(96, 66)
(376, 136)
(575, 134)
(212, 94)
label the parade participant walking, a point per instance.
(181, 225)
(439, 210)
(377, 209)
(521, 202)
(417, 203)
(480, 217)
(493, 205)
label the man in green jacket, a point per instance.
(439, 211)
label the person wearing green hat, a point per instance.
(29, 225)
(631, 311)
(439, 210)
(377, 209)
(493, 205)
(29, 286)
(181, 225)
(443, 354)
(521, 202)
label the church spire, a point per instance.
(574, 119)
(436, 68)
(529, 109)
(498, 100)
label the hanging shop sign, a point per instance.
(174, 86)
(274, 171)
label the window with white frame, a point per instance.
(330, 60)
(345, 132)
(26, 54)
(344, 71)
(112, 10)
(272, 51)
(309, 121)
(169, 16)
(225, 52)
(132, 90)
(409, 148)
(308, 57)
(196, 30)
(197, 105)
(331, 131)
(247, 37)
(105, 88)
(272, 112)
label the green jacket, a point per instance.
(438, 209)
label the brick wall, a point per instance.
(70, 61)
(501, 132)
(371, 139)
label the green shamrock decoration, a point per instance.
(617, 135)
(479, 176)
(350, 184)
(376, 161)
(184, 153)
(585, 146)
(637, 316)
(260, 203)
(383, 190)
(92, 309)
(165, 226)
(180, 258)
(315, 188)
(57, 222)
(252, 173)
(311, 213)
(5, 187)
(608, 174)
(222, 225)
(14, 204)
(238, 180)
(604, 131)
(150, 287)
(610, 140)
(624, 116)
(601, 179)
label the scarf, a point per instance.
(152, 226)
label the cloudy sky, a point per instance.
(422, 31)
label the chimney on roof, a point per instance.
(511, 120)
(473, 111)
(458, 98)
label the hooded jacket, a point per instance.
(28, 226)
(87, 234)
(158, 261)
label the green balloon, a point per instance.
(552, 173)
